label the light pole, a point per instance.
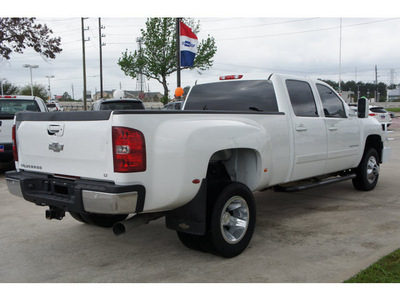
(31, 67)
(2, 85)
(52, 76)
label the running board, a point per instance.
(298, 188)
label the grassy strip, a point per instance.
(385, 270)
(393, 109)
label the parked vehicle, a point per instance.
(176, 105)
(380, 114)
(118, 104)
(54, 106)
(198, 166)
(9, 106)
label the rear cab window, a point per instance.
(238, 96)
(121, 105)
(9, 107)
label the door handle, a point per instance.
(55, 129)
(333, 128)
(301, 128)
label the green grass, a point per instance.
(393, 109)
(385, 270)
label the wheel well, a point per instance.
(241, 165)
(374, 141)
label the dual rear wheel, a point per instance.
(231, 221)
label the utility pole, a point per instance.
(178, 54)
(140, 81)
(72, 87)
(84, 61)
(376, 84)
(340, 57)
(101, 57)
(48, 77)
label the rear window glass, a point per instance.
(378, 110)
(121, 105)
(9, 107)
(246, 96)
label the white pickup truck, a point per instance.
(199, 166)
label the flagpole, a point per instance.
(178, 53)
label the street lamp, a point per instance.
(31, 67)
(1, 82)
(52, 76)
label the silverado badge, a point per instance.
(56, 147)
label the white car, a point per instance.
(54, 106)
(380, 114)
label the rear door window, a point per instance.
(302, 98)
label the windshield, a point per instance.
(121, 105)
(242, 96)
(8, 108)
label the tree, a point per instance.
(39, 90)
(157, 59)
(18, 33)
(66, 96)
(9, 88)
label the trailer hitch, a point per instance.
(55, 213)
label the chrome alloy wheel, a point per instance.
(372, 169)
(234, 219)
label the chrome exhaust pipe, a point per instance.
(135, 221)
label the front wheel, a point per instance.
(367, 173)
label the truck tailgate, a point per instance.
(72, 143)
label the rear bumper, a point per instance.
(76, 195)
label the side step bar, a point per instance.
(302, 187)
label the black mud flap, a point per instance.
(190, 218)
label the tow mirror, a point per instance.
(363, 108)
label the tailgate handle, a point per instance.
(55, 129)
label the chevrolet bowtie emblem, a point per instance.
(56, 147)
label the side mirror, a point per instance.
(363, 108)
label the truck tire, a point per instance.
(77, 216)
(231, 221)
(191, 241)
(102, 220)
(367, 173)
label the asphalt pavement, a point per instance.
(325, 234)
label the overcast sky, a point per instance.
(300, 41)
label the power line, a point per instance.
(266, 24)
(306, 31)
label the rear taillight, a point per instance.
(14, 140)
(129, 150)
(371, 115)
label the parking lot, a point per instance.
(326, 234)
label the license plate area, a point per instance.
(60, 189)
